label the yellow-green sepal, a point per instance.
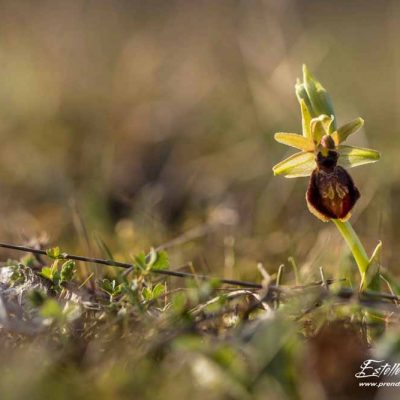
(295, 140)
(350, 156)
(298, 165)
(302, 96)
(305, 119)
(346, 130)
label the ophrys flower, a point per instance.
(331, 192)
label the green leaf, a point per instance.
(161, 262)
(297, 165)
(350, 156)
(67, 271)
(53, 253)
(147, 294)
(56, 278)
(47, 273)
(140, 261)
(111, 287)
(156, 260)
(152, 257)
(371, 278)
(295, 140)
(320, 100)
(346, 130)
(158, 290)
(107, 286)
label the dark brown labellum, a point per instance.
(331, 192)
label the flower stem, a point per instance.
(355, 245)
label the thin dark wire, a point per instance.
(113, 263)
(344, 292)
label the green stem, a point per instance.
(355, 245)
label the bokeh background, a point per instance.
(129, 124)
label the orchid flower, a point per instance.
(331, 192)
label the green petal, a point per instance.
(350, 156)
(305, 119)
(297, 165)
(346, 130)
(302, 95)
(320, 100)
(295, 140)
(319, 127)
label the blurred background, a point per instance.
(129, 124)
